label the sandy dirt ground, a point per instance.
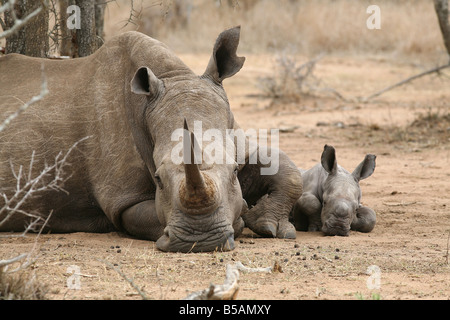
(409, 191)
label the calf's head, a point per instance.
(198, 202)
(342, 193)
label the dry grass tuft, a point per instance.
(429, 129)
(20, 286)
(290, 80)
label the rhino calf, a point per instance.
(331, 199)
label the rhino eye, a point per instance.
(158, 181)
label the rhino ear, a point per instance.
(224, 62)
(145, 82)
(328, 159)
(365, 168)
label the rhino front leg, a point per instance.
(271, 197)
(365, 220)
(142, 222)
(306, 213)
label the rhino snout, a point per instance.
(337, 216)
(172, 241)
(198, 233)
(335, 230)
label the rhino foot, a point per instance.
(267, 226)
(365, 219)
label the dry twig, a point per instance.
(448, 243)
(399, 204)
(229, 289)
(130, 281)
(27, 186)
(398, 84)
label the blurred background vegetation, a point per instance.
(408, 28)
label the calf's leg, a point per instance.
(307, 208)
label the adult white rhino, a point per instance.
(128, 98)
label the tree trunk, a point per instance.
(69, 45)
(87, 43)
(86, 40)
(100, 6)
(32, 39)
(441, 7)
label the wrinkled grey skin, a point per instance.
(128, 98)
(331, 199)
(271, 198)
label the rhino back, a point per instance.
(87, 98)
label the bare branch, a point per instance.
(7, 262)
(398, 84)
(2, 24)
(22, 108)
(441, 8)
(134, 15)
(30, 259)
(26, 187)
(12, 205)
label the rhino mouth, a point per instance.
(335, 230)
(199, 233)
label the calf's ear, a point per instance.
(224, 62)
(328, 159)
(145, 82)
(365, 168)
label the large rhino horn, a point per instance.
(198, 190)
(194, 179)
